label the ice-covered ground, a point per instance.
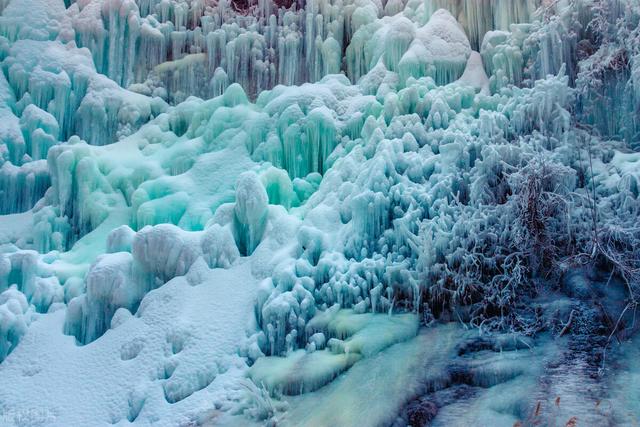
(320, 213)
(169, 364)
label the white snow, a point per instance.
(183, 341)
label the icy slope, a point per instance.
(148, 367)
(242, 213)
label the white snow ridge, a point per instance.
(322, 213)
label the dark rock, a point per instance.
(421, 413)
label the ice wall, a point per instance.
(51, 92)
(179, 49)
(372, 165)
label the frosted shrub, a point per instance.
(541, 213)
(258, 404)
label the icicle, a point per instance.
(122, 22)
(14, 320)
(21, 187)
(219, 82)
(250, 212)
(112, 282)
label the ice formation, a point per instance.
(321, 212)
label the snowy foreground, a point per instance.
(319, 213)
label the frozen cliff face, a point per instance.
(243, 212)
